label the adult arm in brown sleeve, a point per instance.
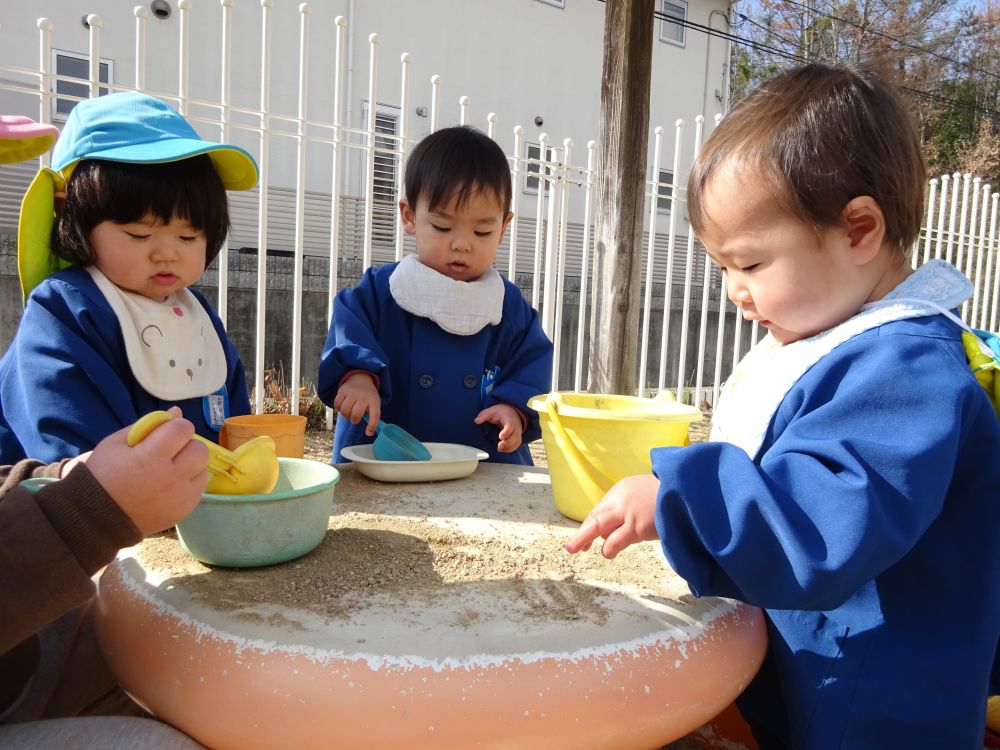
(51, 543)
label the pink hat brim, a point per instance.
(21, 138)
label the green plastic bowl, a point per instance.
(245, 531)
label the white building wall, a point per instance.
(517, 58)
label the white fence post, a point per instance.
(404, 99)
(647, 304)
(543, 188)
(94, 24)
(668, 278)
(141, 14)
(334, 273)
(300, 206)
(370, 150)
(929, 221)
(515, 179)
(262, 188)
(581, 325)
(224, 117)
(183, 60)
(688, 264)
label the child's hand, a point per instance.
(624, 516)
(158, 481)
(356, 396)
(508, 420)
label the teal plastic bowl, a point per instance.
(245, 531)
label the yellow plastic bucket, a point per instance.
(288, 431)
(592, 440)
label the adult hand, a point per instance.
(508, 420)
(624, 516)
(158, 481)
(356, 396)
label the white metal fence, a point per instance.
(691, 336)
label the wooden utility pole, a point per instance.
(621, 177)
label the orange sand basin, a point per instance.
(441, 615)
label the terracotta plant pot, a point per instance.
(288, 431)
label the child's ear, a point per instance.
(506, 223)
(409, 218)
(865, 226)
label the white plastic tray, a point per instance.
(448, 461)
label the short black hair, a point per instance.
(456, 162)
(824, 135)
(121, 192)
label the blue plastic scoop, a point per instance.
(393, 443)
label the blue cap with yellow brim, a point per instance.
(125, 127)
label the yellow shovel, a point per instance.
(252, 469)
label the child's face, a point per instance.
(793, 280)
(149, 257)
(460, 243)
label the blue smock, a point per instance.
(65, 380)
(868, 529)
(433, 383)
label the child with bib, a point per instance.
(850, 485)
(110, 240)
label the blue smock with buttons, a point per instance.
(433, 383)
(66, 382)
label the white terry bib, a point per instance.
(460, 307)
(172, 346)
(760, 381)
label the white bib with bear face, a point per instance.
(172, 346)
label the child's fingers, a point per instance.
(374, 416)
(509, 445)
(191, 461)
(353, 410)
(168, 438)
(615, 542)
(585, 535)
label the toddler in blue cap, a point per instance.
(110, 240)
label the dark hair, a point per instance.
(457, 162)
(824, 135)
(116, 191)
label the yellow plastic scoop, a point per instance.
(252, 469)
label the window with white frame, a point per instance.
(72, 65)
(556, 3)
(386, 170)
(533, 164)
(664, 191)
(673, 14)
